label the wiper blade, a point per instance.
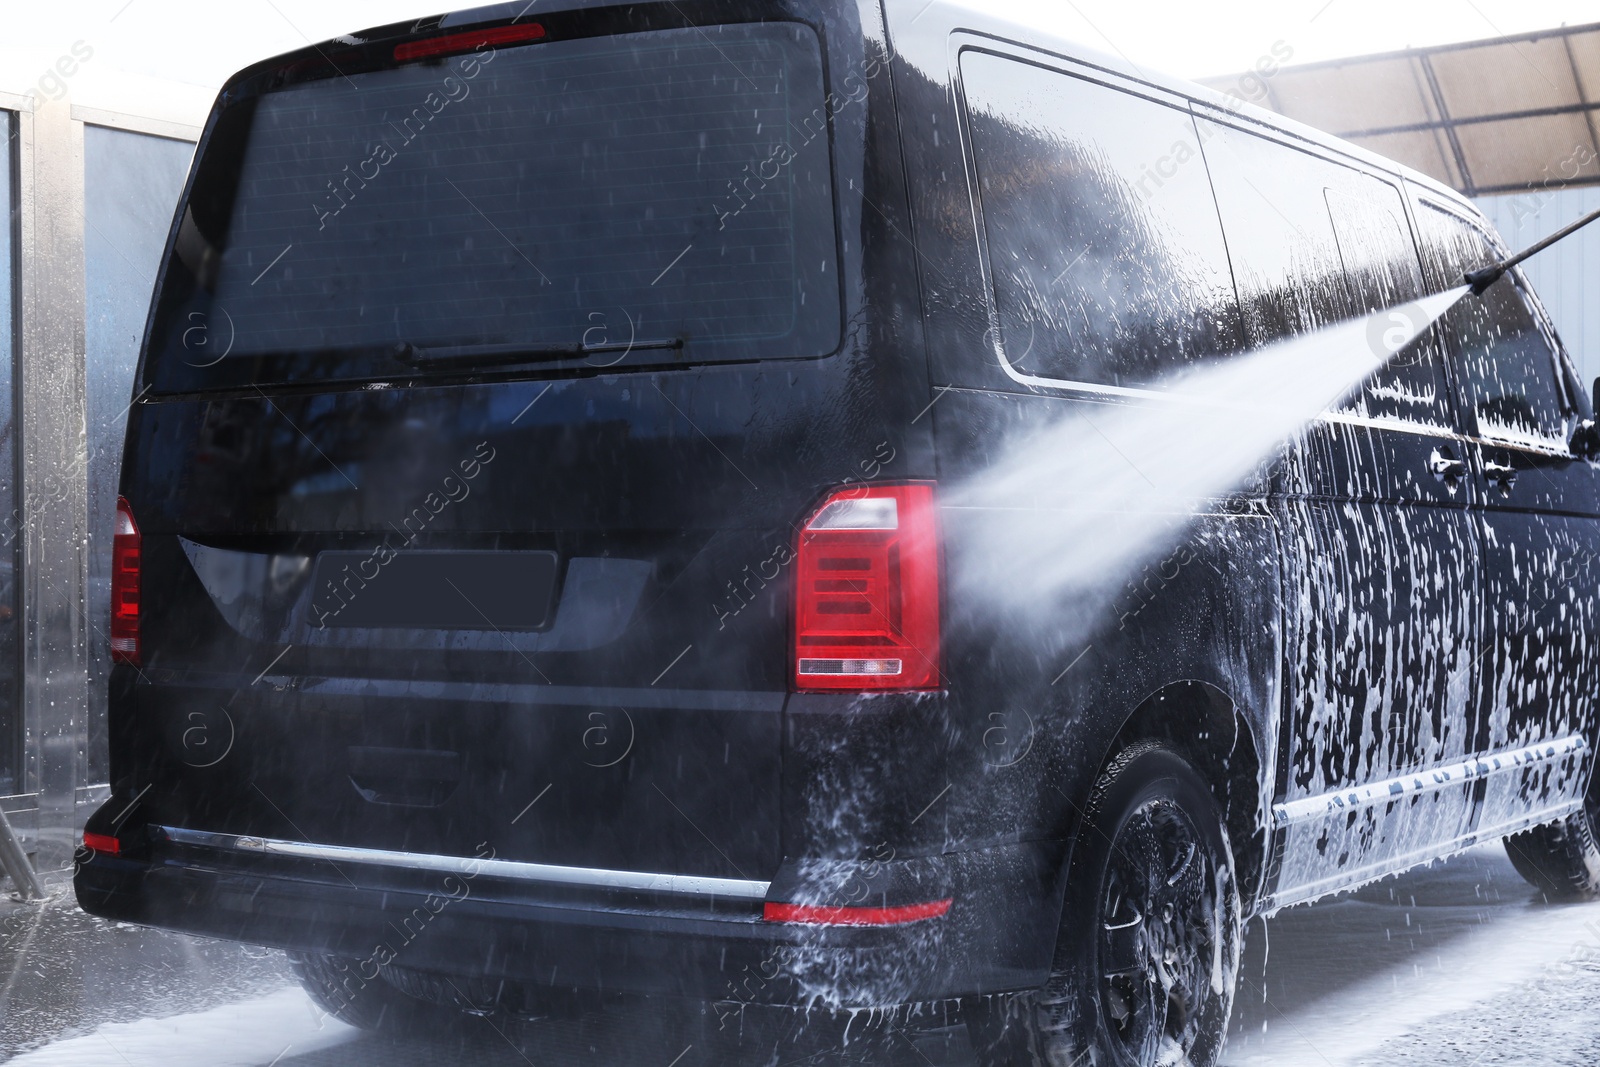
(524, 353)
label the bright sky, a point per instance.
(165, 58)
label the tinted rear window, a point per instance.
(627, 200)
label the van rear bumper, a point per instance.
(673, 939)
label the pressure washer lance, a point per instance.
(1585, 439)
(1484, 277)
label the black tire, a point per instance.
(337, 986)
(1562, 859)
(1126, 991)
(448, 994)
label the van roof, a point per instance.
(960, 14)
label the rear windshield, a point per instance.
(631, 200)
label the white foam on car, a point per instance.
(247, 1033)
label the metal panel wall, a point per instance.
(54, 526)
(52, 759)
(11, 738)
(132, 182)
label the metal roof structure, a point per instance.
(1494, 116)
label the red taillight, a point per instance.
(853, 916)
(867, 591)
(101, 843)
(468, 42)
(125, 587)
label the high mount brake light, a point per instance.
(125, 587)
(470, 41)
(867, 591)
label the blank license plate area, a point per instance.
(435, 590)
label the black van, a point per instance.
(636, 496)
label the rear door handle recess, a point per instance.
(1444, 466)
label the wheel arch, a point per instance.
(1207, 727)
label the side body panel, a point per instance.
(1379, 558)
(1535, 512)
(1083, 596)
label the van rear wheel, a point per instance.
(1562, 859)
(336, 985)
(1148, 951)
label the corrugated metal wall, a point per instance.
(1567, 276)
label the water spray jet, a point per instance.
(1074, 509)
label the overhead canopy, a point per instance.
(1494, 116)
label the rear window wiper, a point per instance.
(525, 353)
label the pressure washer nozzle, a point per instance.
(1484, 277)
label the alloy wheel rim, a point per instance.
(1158, 920)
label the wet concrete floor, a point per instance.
(1459, 963)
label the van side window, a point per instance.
(1380, 262)
(1314, 242)
(1278, 207)
(1382, 273)
(1105, 252)
(1507, 360)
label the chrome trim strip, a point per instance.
(1066, 385)
(1365, 796)
(594, 877)
(481, 693)
(1542, 446)
(1420, 429)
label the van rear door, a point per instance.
(479, 393)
